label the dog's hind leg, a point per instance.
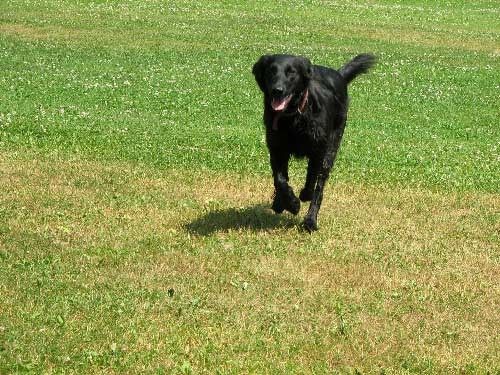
(284, 197)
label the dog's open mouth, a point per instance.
(280, 104)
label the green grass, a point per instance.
(135, 234)
(172, 85)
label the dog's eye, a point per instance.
(273, 69)
(290, 72)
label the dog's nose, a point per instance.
(278, 91)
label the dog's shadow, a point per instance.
(255, 218)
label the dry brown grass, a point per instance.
(389, 33)
(394, 276)
(430, 38)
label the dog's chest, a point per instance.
(302, 135)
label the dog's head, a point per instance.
(282, 79)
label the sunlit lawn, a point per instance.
(135, 233)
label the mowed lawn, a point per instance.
(135, 229)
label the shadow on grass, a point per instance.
(256, 218)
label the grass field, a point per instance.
(135, 233)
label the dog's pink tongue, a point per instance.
(279, 105)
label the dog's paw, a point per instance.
(310, 225)
(293, 205)
(277, 205)
(306, 195)
(286, 201)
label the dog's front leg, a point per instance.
(313, 166)
(311, 219)
(284, 197)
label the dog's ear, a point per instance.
(258, 70)
(305, 66)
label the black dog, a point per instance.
(305, 112)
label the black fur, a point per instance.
(305, 112)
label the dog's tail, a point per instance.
(359, 65)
